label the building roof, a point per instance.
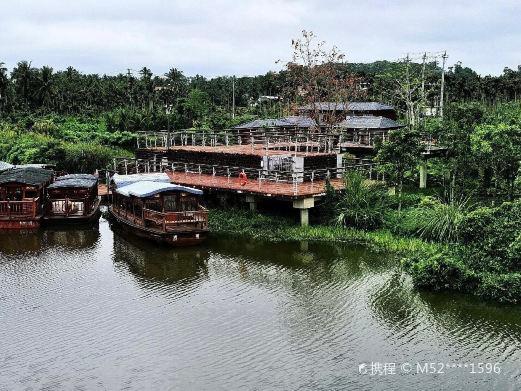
(350, 106)
(285, 122)
(83, 183)
(30, 176)
(368, 122)
(125, 180)
(149, 188)
(76, 176)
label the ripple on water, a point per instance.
(95, 309)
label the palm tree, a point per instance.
(22, 75)
(46, 87)
(4, 84)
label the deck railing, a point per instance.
(19, 209)
(193, 218)
(134, 166)
(69, 207)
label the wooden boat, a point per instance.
(162, 212)
(22, 193)
(73, 199)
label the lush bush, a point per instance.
(72, 144)
(493, 237)
(361, 204)
(487, 261)
(440, 271)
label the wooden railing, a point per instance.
(18, 209)
(68, 207)
(193, 218)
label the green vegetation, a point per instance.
(72, 144)
(237, 222)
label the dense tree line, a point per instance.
(192, 100)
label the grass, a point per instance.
(238, 222)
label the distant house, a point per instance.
(360, 133)
(301, 122)
(340, 110)
(368, 122)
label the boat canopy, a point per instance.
(76, 176)
(125, 180)
(31, 176)
(150, 188)
(83, 183)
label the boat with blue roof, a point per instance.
(160, 211)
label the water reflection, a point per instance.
(94, 308)
(68, 237)
(159, 263)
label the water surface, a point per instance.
(94, 309)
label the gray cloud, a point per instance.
(231, 37)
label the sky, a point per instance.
(243, 37)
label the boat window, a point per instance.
(170, 203)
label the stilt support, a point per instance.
(304, 204)
(423, 175)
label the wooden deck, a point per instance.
(103, 190)
(281, 190)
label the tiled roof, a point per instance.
(83, 183)
(286, 122)
(368, 122)
(5, 166)
(76, 176)
(350, 106)
(29, 176)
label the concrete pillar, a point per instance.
(423, 175)
(304, 217)
(223, 199)
(304, 204)
(252, 202)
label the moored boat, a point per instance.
(22, 193)
(73, 199)
(162, 212)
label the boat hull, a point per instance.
(6, 225)
(173, 239)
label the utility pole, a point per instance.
(423, 101)
(129, 85)
(233, 96)
(442, 92)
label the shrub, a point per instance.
(440, 271)
(438, 221)
(362, 204)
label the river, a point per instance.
(93, 309)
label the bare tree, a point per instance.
(317, 78)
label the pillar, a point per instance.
(423, 175)
(304, 205)
(304, 217)
(252, 202)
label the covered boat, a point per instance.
(22, 193)
(163, 212)
(73, 199)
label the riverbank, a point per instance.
(432, 266)
(253, 225)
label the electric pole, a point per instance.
(444, 58)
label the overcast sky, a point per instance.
(243, 37)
